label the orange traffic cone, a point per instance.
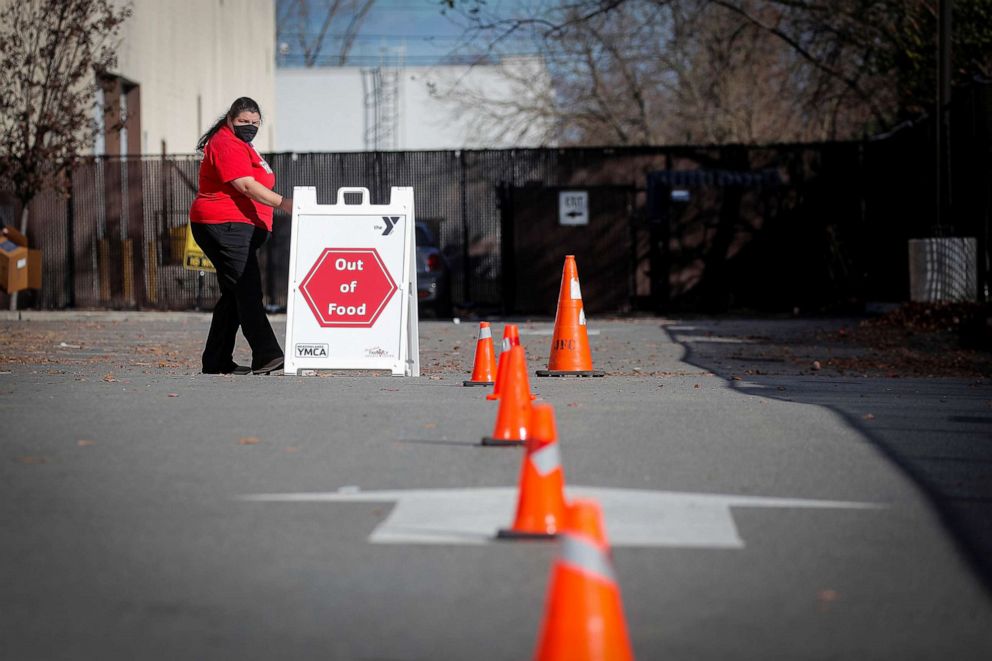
(511, 338)
(485, 358)
(541, 503)
(513, 416)
(584, 618)
(570, 353)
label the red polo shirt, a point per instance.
(226, 158)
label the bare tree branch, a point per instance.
(801, 50)
(52, 51)
(310, 23)
(351, 32)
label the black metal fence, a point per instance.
(813, 226)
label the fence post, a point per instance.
(70, 237)
(136, 226)
(466, 267)
(508, 266)
(659, 231)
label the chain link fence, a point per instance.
(771, 227)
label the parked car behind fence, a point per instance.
(433, 274)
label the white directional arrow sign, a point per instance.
(633, 517)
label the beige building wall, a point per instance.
(191, 59)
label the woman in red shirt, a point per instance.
(231, 218)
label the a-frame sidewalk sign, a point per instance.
(352, 300)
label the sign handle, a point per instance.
(363, 191)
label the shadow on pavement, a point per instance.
(937, 430)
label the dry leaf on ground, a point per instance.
(31, 460)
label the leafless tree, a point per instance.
(53, 52)
(646, 72)
(590, 100)
(520, 113)
(307, 24)
(641, 71)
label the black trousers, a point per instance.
(232, 247)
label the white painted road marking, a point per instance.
(633, 517)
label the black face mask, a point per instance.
(245, 131)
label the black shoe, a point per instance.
(233, 368)
(271, 366)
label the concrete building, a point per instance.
(180, 65)
(332, 109)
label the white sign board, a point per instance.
(573, 207)
(352, 301)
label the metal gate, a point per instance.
(535, 245)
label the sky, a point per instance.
(418, 28)
(416, 25)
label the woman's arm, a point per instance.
(251, 189)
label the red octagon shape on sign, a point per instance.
(348, 287)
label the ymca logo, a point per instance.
(311, 351)
(391, 222)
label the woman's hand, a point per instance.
(286, 205)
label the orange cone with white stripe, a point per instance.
(511, 338)
(584, 618)
(570, 352)
(485, 358)
(513, 416)
(541, 501)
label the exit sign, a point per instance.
(573, 207)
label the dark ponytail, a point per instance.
(240, 105)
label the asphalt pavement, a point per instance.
(758, 510)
